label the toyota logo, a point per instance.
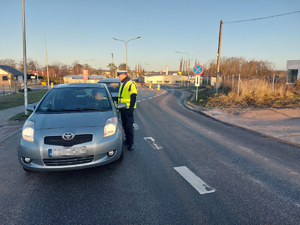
(68, 136)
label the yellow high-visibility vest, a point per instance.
(124, 93)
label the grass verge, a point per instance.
(251, 94)
(20, 117)
(17, 99)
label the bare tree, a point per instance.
(8, 62)
(77, 67)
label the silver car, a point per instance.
(74, 126)
(113, 85)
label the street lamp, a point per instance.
(24, 58)
(47, 61)
(126, 42)
(188, 58)
(85, 62)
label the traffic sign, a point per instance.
(85, 74)
(197, 81)
(198, 70)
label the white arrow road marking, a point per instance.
(195, 181)
(151, 141)
(135, 126)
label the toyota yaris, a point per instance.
(74, 126)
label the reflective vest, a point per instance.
(126, 91)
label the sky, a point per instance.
(83, 31)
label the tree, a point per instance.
(77, 67)
(139, 70)
(8, 62)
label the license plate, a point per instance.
(64, 152)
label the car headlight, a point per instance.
(28, 131)
(110, 127)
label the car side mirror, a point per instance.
(30, 107)
(121, 106)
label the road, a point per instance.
(186, 169)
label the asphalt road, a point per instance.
(234, 176)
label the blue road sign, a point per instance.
(198, 69)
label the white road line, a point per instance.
(152, 97)
(195, 181)
(152, 143)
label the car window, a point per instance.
(113, 86)
(75, 99)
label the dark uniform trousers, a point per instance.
(127, 121)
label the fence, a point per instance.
(241, 85)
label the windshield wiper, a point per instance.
(72, 110)
(95, 109)
(62, 110)
(50, 110)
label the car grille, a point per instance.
(68, 161)
(58, 140)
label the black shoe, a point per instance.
(130, 147)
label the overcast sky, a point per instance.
(84, 29)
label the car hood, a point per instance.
(88, 119)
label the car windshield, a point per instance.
(113, 86)
(75, 99)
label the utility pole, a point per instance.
(47, 62)
(112, 64)
(219, 55)
(36, 68)
(24, 59)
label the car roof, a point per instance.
(109, 80)
(82, 85)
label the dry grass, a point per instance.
(254, 93)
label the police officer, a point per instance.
(127, 94)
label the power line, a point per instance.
(262, 18)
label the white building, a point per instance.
(169, 79)
(293, 70)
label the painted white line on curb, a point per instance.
(151, 141)
(195, 181)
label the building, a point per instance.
(9, 74)
(293, 71)
(169, 79)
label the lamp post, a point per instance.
(24, 58)
(47, 61)
(126, 42)
(188, 58)
(85, 62)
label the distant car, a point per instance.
(113, 85)
(74, 126)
